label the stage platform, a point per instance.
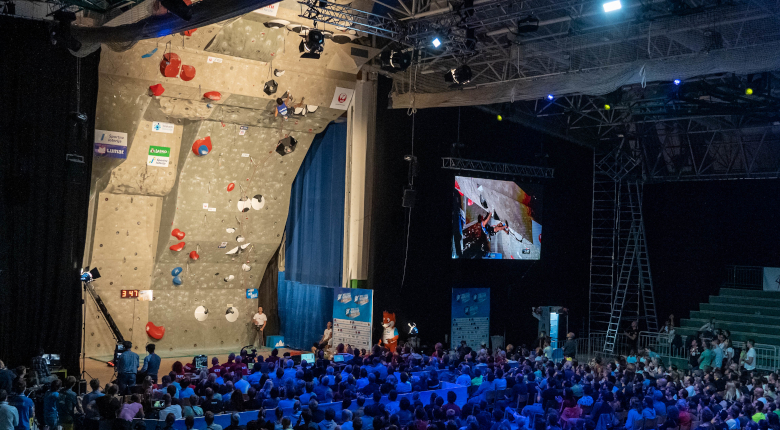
(97, 367)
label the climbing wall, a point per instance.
(201, 163)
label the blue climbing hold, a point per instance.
(177, 280)
(203, 149)
(149, 54)
(176, 271)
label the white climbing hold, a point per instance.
(240, 239)
(233, 251)
(244, 246)
(230, 230)
(229, 278)
(245, 267)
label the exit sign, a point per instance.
(129, 294)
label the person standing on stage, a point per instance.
(327, 337)
(259, 321)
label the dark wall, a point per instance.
(516, 286)
(44, 198)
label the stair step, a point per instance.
(749, 293)
(768, 329)
(745, 300)
(725, 319)
(740, 309)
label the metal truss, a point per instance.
(345, 16)
(500, 168)
(706, 129)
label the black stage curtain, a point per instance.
(268, 295)
(44, 197)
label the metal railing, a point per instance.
(767, 356)
(745, 277)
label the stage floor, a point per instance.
(96, 367)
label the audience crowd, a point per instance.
(508, 389)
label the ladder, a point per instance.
(634, 278)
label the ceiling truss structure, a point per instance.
(707, 129)
(500, 168)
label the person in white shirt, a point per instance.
(259, 320)
(327, 337)
(750, 358)
(169, 408)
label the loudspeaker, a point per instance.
(409, 197)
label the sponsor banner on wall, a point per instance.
(341, 98)
(470, 316)
(111, 144)
(162, 127)
(270, 10)
(159, 156)
(252, 293)
(771, 278)
(352, 317)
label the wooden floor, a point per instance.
(97, 367)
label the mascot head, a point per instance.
(388, 319)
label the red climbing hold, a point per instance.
(187, 73)
(231, 186)
(169, 65)
(202, 146)
(178, 247)
(155, 332)
(194, 255)
(178, 234)
(213, 95)
(188, 33)
(157, 89)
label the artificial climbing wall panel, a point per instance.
(126, 233)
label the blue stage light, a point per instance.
(550, 97)
(677, 82)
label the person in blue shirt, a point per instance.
(9, 416)
(89, 404)
(23, 404)
(50, 414)
(127, 367)
(186, 391)
(151, 363)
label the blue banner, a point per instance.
(352, 317)
(470, 317)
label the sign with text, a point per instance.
(341, 98)
(352, 317)
(162, 127)
(111, 144)
(270, 10)
(470, 317)
(159, 156)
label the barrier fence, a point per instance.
(767, 356)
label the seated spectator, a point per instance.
(210, 403)
(169, 408)
(234, 419)
(329, 423)
(131, 410)
(209, 418)
(192, 410)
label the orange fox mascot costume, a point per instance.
(390, 334)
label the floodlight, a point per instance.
(607, 107)
(436, 42)
(550, 97)
(612, 6)
(312, 47)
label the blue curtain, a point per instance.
(304, 310)
(315, 223)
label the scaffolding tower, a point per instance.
(621, 285)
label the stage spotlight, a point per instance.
(395, 61)
(528, 24)
(499, 117)
(90, 276)
(459, 76)
(748, 91)
(313, 46)
(677, 82)
(607, 106)
(436, 42)
(413, 329)
(612, 6)
(550, 97)
(179, 8)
